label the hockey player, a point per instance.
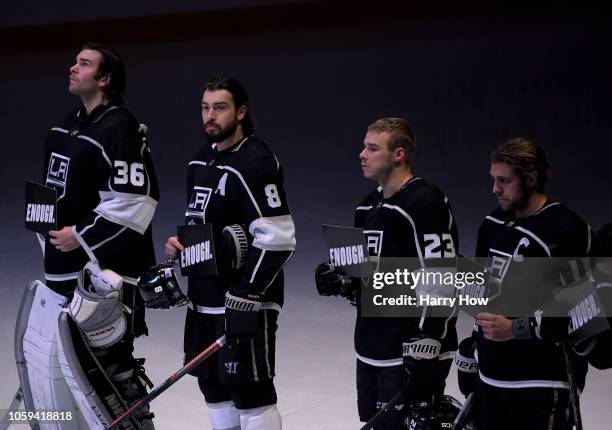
(523, 380)
(235, 183)
(99, 162)
(598, 349)
(405, 216)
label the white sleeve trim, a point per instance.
(261, 256)
(134, 211)
(99, 244)
(86, 247)
(276, 233)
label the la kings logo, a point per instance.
(374, 242)
(57, 174)
(231, 367)
(200, 196)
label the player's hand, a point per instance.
(64, 239)
(330, 280)
(495, 327)
(173, 246)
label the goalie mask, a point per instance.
(437, 416)
(160, 288)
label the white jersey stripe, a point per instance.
(536, 238)
(495, 220)
(261, 256)
(90, 140)
(414, 230)
(381, 363)
(244, 184)
(532, 383)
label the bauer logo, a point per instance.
(200, 196)
(57, 173)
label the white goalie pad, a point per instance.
(92, 409)
(20, 329)
(38, 350)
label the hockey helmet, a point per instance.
(438, 415)
(160, 288)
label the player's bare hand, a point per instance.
(495, 327)
(173, 246)
(64, 239)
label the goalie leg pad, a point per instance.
(224, 416)
(101, 395)
(262, 418)
(46, 381)
(20, 329)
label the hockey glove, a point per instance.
(426, 373)
(331, 281)
(242, 318)
(467, 367)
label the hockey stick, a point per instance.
(464, 413)
(17, 398)
(572, 383)
(210, 350)
(383, 411)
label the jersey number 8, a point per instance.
(271, 191)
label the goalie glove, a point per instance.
(96, 306)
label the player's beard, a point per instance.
(522, 201)
(219, 135)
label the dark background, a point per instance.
(466, 83)
(467, 76)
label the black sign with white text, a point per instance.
(40, 208)
(346, 248)
(198, 258)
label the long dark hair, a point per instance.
(239, 95)
(112, 65)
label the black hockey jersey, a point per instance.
(101, 167)
(241, 185)
(416, 221)
(510, 246)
